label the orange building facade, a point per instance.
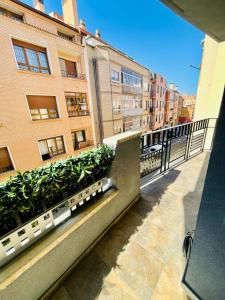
(45, 110)
(158, 97)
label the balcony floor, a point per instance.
(141, 257)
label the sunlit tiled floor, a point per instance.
(141, 258)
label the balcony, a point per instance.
(73, 75)
(132, 112)
(129, 89)
(141, 256)
(82, 113)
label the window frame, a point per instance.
(79, 112)
(75, 141)
(41, 114)
(65, 72)
(113, 72)
(49, 152)
(57, 111)
(27, 66)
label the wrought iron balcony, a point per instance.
(163, 149)
(80, 113)
(73, 75)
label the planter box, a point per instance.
(22, 237)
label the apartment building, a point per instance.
(188, 108)
(158, 98)
(172, 105)
(119, 89)
(45, 109)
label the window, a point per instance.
(132, 82)
(51, 147)
(116, 106)
(42, 107)
(130, 102)
(76, 104)
(117, 129)
(68, 68)
(10, 14)
(65, 36)
(78, 138)
(5, 161)
(132, 123)
(115, 76)
(30, 57)
(146, 86)
(157, 89)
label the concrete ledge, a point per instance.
(33, 272)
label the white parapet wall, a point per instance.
(41, 267)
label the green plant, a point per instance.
(28, 194)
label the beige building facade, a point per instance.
(45, 110)
(211, 80)
(119, 89)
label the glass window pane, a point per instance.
(43, 60)
(80, 136)
(44, 71)
(20, 57)
(62, 64)
(32, 58)
(43, 147)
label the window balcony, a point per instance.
(73, 75)
(129, 89)
(77, 105)
(82, 113)
(131, 112)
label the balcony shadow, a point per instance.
(87, 280)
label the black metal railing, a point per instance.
(163, 149)
(73, 75)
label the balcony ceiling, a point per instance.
(207, 15)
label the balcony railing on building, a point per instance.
(82, 145)
(70, 38)
(73, 75)
(129, 89)
(136, 111)
(166, 148)
(79, 113)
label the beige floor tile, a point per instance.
(155, 240)
(168, 289)
(140, 270)
(115, 289)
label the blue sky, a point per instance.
(147, 31)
